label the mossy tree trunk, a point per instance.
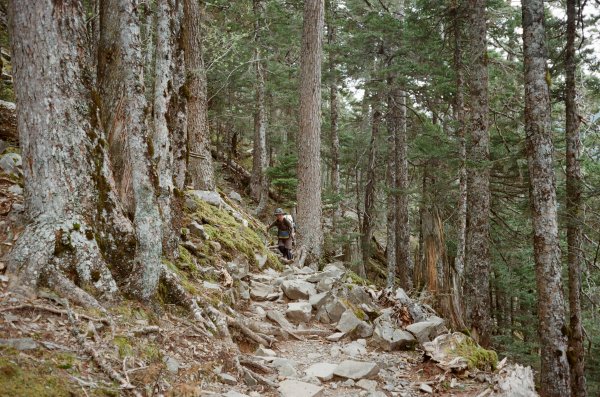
(63, 152)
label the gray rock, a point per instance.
(211, 286)
(321, 371)
(190, 204)
(348, 383)
(356, 369)
(366, 384)
(243, 290)
(354, 349)
(296, 388)
(262, 351)
(303, 270)
(261, 260)
(216, 246)
(358, 295)
(233, 393)
(20, 343)
(16, 190)
(516, 381)
(389, 338)
(260, 291)
(235, 196)
(238, 268)
(326, 284)
(298, 289)
(197, 230)
(425, 388)
(318, 300)
(426, 331)
(362, 330)
(280, 319)
(336, 336)
(172, 364)
(227, 379)
(11, 164)
(331, 311)
(348, 322)
(443, 351)
(209, 196)
(285, 367)
(299, 311)
(378, 394)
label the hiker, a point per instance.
(285, 233)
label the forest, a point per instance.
(439, 160)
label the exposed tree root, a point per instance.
(102, 364)
(179, 295)
(55, 311)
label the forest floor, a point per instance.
(48, 348)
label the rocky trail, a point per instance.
(247, 330)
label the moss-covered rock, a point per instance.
(477, 356)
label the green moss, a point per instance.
(125, 348)
(356, 279)
(19, 379)
(477, 356)
(76, 226)
(151, 353)
(65, 360)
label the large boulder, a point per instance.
(197, 230)
(331, 310)
(298, 289)
(326, 284)
(238, 268)
(348, 322)
(260, 291)
(426, 331)
(416, 310)
(319, 300)
(356, 370)
(515, 381)
(209, 196)
(387, 337)
(280, 319)
(299, 312)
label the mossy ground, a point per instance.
(43, 374)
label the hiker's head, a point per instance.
(279, 213)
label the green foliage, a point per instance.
(477, 356)
(283, 178)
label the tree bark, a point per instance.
(576, 352)
(309, 136)
(163, 133)
(555, 368)
(200, 168)
(123, 114)
(259, 184)
(370, 192)
(334, 113)
(62, 151)
(477, 266)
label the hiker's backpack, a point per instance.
(290, 219)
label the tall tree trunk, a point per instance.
(576, 353)
(259, 182)
(63, 151)
(477, 255)
(459, 115)
(555, 368)
(334, 113)
(177, 107)
(391, 218)
(397, 127)
(123, 114)
(165, 87)
(200, 168)
(370, 192)
(309, 136)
